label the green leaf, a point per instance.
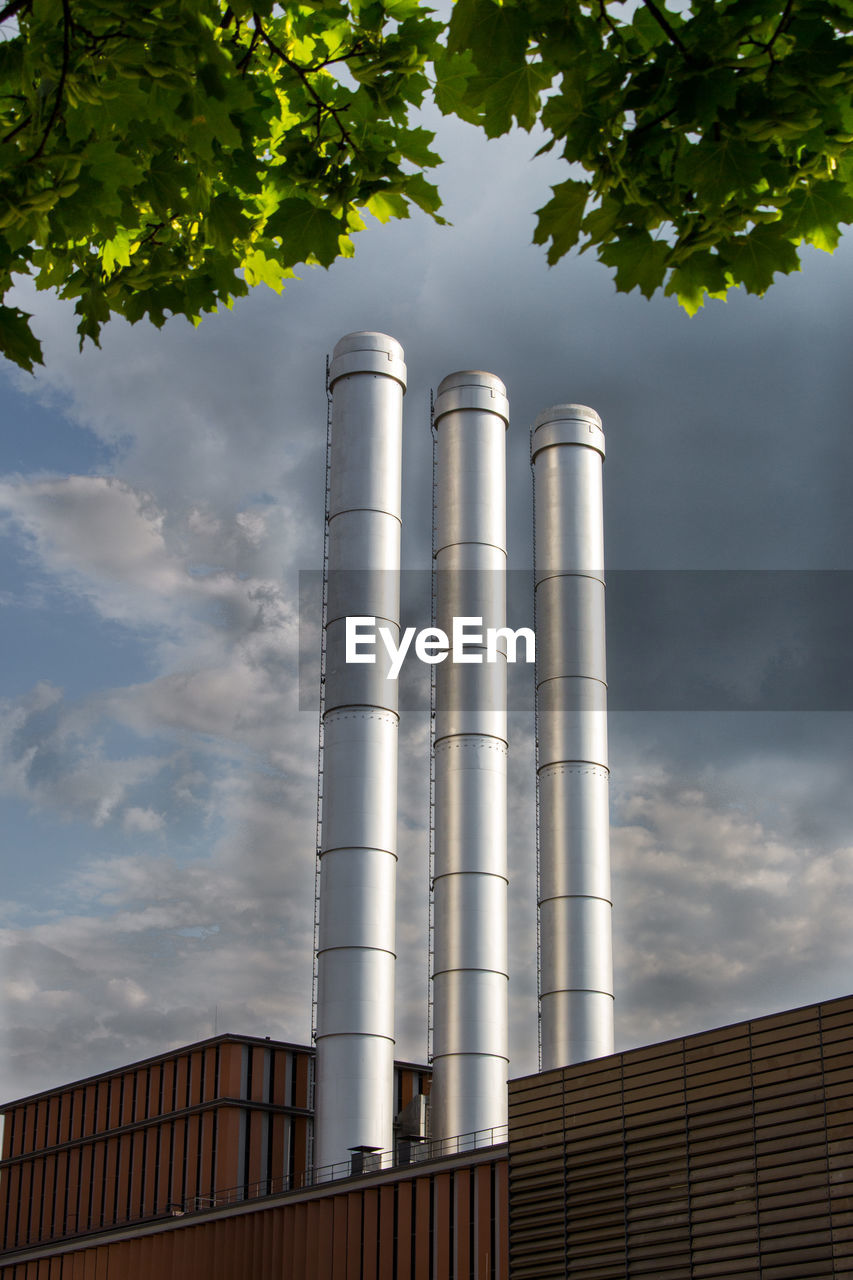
(414, 145)
(511, 95)
(495, 34)
(308, 233)
(600, 224)
(226, 221)
(639, 260)
(815, 212)
(16, 338)
(425, 195)
(259, 269)
(718, 170)
(453, 74)
(386, 205)
(111, 167)
(753, 260)
(116, 253)
(561, 218)
(701, 275)
(648, 29)
(404, 9)
(701, 96)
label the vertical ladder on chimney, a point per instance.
(433, 616)
(321, 736)
(536, 765)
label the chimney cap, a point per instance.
(471, 389)
(567, 424)
(366, 351)
(472, 378)
(576, 412)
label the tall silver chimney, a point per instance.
(576, 982)
(355, 1001)
(470, 1041)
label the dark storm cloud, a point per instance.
(718, 640)
(789, 770)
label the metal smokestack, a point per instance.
(576, 981)
(470, 1042)
(355, 1002)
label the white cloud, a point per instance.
(148, 946)
(143, 949)
(128, 992)
(252, 525)
(99, 530)
(224, 644)
(719, 917)
(53, 757)
(113, 546)
(146, 820)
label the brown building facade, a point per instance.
(446, 1221)
(725, 1154)
(216, 1122)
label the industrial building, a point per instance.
(726, 1154)
(723, 1154)
(220, 1121)
(100, 1173)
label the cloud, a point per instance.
(96, 525)
(139, 951)
(136, 819)
(149, 947)
(223, 639)
(719, 916)
(112, 544)
(53, 757)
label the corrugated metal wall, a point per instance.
(445, 1225)
(169, 1132)
(128, 1145)
(726, 1154)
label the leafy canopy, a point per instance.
(159, 159)
(710, 142)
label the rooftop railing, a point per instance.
(409, 1152)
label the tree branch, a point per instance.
(117, 33)
(606, 18)
(14, 6)
(666, 26)
(341, 57)
(322, 106)
(151, 237)
(17, 129)
(66, 58)
(246, 59)
(783, 22)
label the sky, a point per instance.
(158, 498)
